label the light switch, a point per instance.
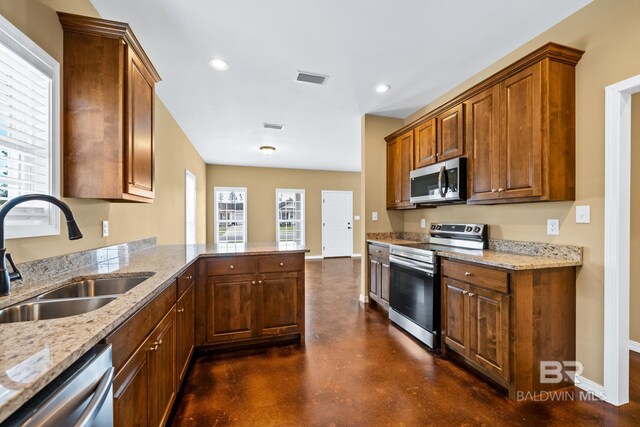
(423, 223)
(583, 214)
(356, 218)
(374, 216)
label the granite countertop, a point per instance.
(551, 256)
(34, 353)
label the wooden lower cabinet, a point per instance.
(145, 388)
(186, 334)
(505, 323)
(379, 275)
(252, 298)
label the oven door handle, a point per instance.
(413, 265)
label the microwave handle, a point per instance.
(443, 191)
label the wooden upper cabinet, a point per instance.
(521, 148)
(483, 142)
(425, 144)
(450, 140)
(108, 150)
(399, 165)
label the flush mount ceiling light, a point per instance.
(382, 88)
(219, 64)
(267, 150)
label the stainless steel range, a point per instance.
(414, 300)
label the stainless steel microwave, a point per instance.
(440, 183)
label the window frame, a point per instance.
(217, 217)
(15, 40)
(303, 221)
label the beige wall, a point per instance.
(634, 297)
(608, 31)
(261, 186)
(127, 221)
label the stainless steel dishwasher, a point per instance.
(81, 396)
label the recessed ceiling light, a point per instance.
(382, 88)
(219, 64)
(267, 150)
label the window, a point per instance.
(29, 128)
(290, 217)
(231, 214)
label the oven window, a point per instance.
(412, 294)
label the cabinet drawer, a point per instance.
(379, 251)
(186, 279)
(476, 275)
(276, 263)
(231, 265)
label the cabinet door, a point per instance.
(374, 279)
(521, 144)
(230, 308)
(162, 370)
(385, 280)
(278, 304)
(185, 314)
(450, 142)
(139, 142)
(131, 391)
(456, 326)
(406, 141)
(489, 326)
(394, 173)
(425, 144)
(483, 139)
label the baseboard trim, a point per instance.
(634, 346)
(590, 387)
(312, 257)
(364, 299)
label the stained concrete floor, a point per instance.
(357, 370)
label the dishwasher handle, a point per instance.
(97, 401)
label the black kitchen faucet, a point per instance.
(74, 233)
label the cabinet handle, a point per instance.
(189, 277)
(259, 281)
(378, 251)
(493, 190)
(154, 347)
(466, 273)
(180, 310)
(282, 264)
(471, 294)
(500, 190)
(465, 292)
(159, 342)
(253, 282)
(231, 267)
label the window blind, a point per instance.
(25, 137)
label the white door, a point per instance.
(337, 223)
(190, 208)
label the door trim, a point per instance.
(617, 225)
(350, 216)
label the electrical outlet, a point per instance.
(583, 214)
(423, 223)
(374, 216)
(553, 227)
(105, 228)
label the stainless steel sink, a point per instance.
(41, 310)
(95, 288)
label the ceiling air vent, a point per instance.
(273, 126)
(317, 79)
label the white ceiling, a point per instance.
(422, 48)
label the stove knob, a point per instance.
(476, 229)
(468, 229)
(438, 227)
(433, 227)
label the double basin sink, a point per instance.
(75, 298)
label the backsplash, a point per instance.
(550, 250)
(34, 271)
